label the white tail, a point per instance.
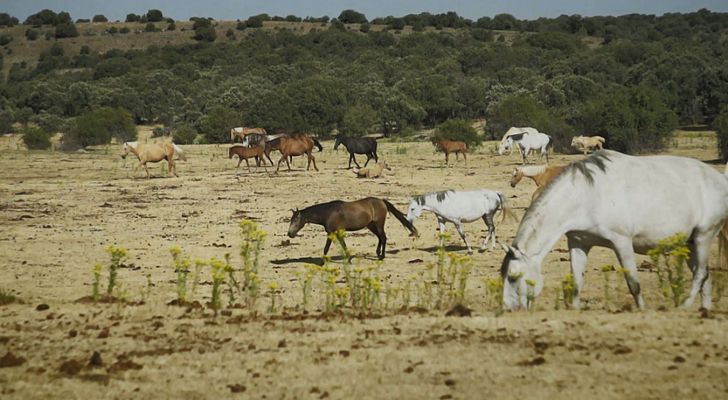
(179, 152)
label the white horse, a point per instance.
(458, 207)
(503, 147)
(527, 142)
(624, 203)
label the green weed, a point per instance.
(670, 259)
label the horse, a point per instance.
(296, 145)
(245, 152)
(513, 131)
(241, 131)
(154, 152)
(364, 145)
(624, 203)
(586, 143)
(370, 213)
(376, 171)
(270, 143)
(527, 142)
(542, 175)
(458, 207)
(451, 146)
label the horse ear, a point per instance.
(512, 251)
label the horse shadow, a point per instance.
(450, 247)
(306, 260)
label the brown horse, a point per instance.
(298, 144)
(369, 213)
(451, 146)
(244, 153)
(542, 175)
(154, 152)
(240, 132)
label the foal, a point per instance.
(542, 175)
(244, 153)
(451, 146)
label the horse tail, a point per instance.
(317, 144)
(180, 152)
(505, 211)
(401, 217)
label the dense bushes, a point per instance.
(36, 138)
(184, 134)
(98, 127)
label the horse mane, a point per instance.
(516, 136)
(439, 196)
(532, 170)
(132, 144)
(321, 207)
(598, 159)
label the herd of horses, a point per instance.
(608, 199)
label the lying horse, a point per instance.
(354, 145)
(298, 144)
(154, 152)
(369, 213)
(541, 175)
(376, 171)
(245, 152)
(451, 146)
(241, 131)
(458, 207)
(586, 143)
(602, 201)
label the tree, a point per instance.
(217, 123)
(36, 138)
(150, 27)
(184, 134)
(43, 17)
(65, 30)
(99, 18)
(206, 33)
(458, 129)
(254, 22)
(154, 15)
(31, 34)
(352, 17)
(8, 20)
(6, 121)
(99, 126)
(132, 18)
(359, 120)
(720, 124)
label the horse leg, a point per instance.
(288, 163)
(311, 158)
(625, 252)
(240, 160)
(368, 158)
(327, 245)
(351, 157)
(382, 239)
(172, 166)
(247, 164)
(488, 219)
(465, 158)
(356, 163)
(374, 154)
(283, 157)
(578, 253)
(461, 231)
(698, 262)
(144, 164)
(447, 157)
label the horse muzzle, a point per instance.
(291, 234)
(513, 185)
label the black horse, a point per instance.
(353, 145)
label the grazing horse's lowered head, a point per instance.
(297, 223)
(129, 147)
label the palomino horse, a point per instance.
(241, 131)
(245, 152)
(586, 143)
(365, 145)
(513, 131)
(527, 142)
(376, 171)
(154, 152)
(459, 207)
(451, 146)
(541, 175)
(298, 144)
(624, 203)
(369, 213)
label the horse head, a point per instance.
(297, 222)
(505, 145)
(516, 176)
(127, 150)
(521, 278)
(415, 209)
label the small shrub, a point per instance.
(184, 134)
(218, 278)
(671, 272)
(182, 269)
(31, 34)
(96, 293)
(118, 254)
(5, 39)
(36, 138)
(6, 298)
(568, 288)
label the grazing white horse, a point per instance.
(624, 203)
(503, 147)
(458, 207)
(527, 142)
(586, 143)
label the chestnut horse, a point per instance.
(542, 175)
(298, 144)
(369, 213)
(154, 152)
(451, 146)
(240, 132)
(244, 153)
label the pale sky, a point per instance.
(241, 9)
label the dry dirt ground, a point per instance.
(59, 211)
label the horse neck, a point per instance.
(314, 215)
(556, 212)
(132, 149)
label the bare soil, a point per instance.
(59, 211)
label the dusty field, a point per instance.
(58, 212)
